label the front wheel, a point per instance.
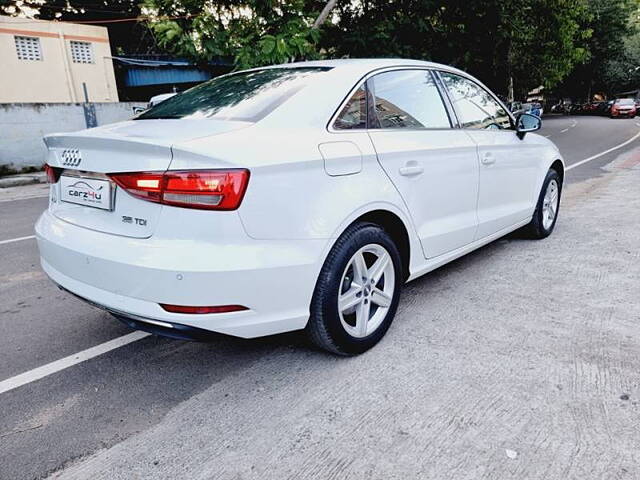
(357, 291)
(546, 214)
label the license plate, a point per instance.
(90, 192)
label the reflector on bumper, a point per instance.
(202, 310)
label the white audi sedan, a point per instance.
(293, 197)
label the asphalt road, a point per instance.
(513, 362)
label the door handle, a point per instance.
(488, 159)
(411, 169)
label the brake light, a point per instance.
(203, 189)
(53, 173)
(203, 310)
(147, 186)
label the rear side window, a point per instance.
(245, 96)
(475, 106)
(407, 99)
(354, 113)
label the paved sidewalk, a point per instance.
(520, 361)
(22, 192)
(23, 179)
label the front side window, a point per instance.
(475, 106)
(408, 99)
(354, 113)
(28, 48)
(245, 96)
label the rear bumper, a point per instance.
(629, 113)
(130, 277)
(172, 330)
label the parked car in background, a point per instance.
(607, 109)
(603, 108)
(532, 108)
(155, 100)
(360, 175)
(516, 108)
(623, 107)
(597, 107)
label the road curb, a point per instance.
(23, 179)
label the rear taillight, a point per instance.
(53, 173)
(204, 189)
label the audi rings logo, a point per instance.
(71, 157)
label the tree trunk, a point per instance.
(324, 14)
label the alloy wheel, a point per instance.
(366, 290)
(550, 205)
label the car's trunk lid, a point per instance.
(85, 196)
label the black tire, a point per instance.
(536, 229)
(324, 328)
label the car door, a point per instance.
(432, 165)
(508, 164)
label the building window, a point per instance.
(28, 48)
(81, 52)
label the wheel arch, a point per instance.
(392, 223)
(558, 166)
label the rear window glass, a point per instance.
(354, 113)
(245, 96)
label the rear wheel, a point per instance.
(546, 213)
(357, 292)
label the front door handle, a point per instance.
(410, 169)
(488, 159)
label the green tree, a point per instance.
(512, 45)
(534, 42)
(252, 32)
(613, 50)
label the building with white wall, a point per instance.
(48, 62)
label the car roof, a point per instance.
(367, 64)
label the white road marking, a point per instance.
(19, 239)
(598, 155)
(573, 124)
(71, 360)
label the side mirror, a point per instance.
(527, 122)
(137, 110)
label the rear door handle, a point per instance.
(411, 169)
(488, 159)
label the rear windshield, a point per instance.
(625, 101)
(245, 96)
